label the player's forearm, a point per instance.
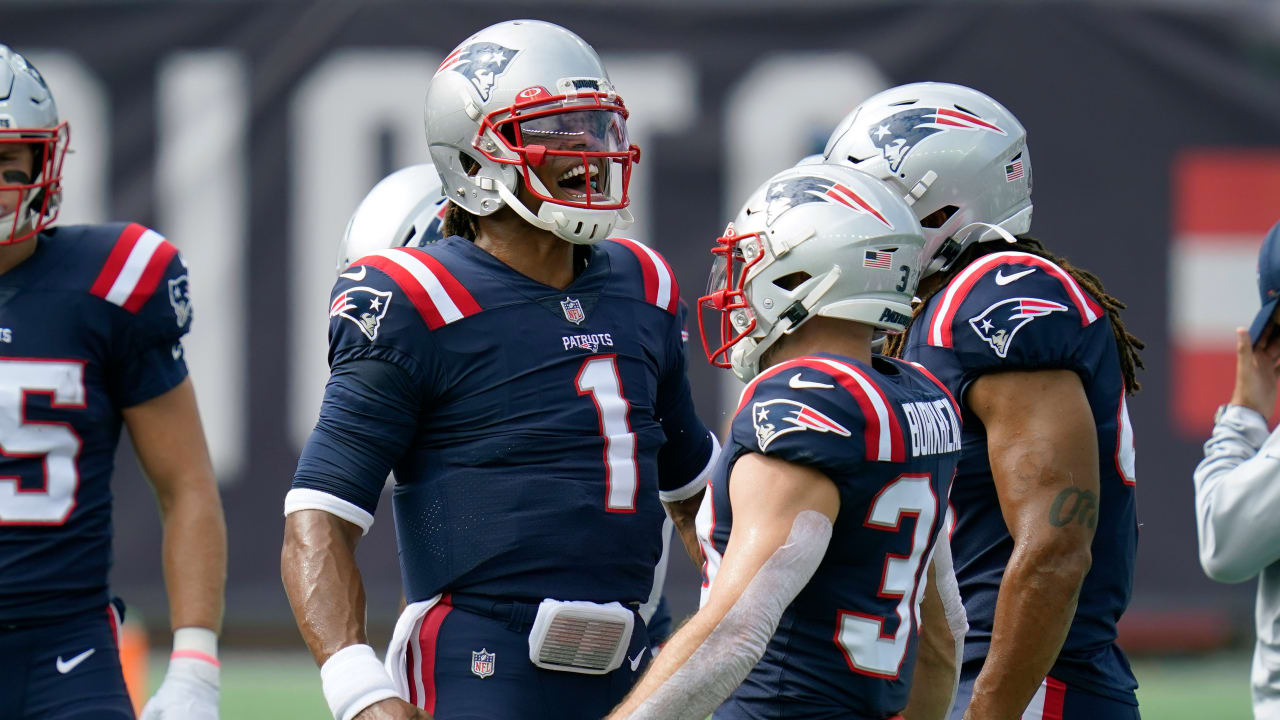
(934, 680)
(326, 592)
(195, 556)
(1034, 610)
(674, 654)
(683, 514)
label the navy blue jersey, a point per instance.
(532, 428)
(888, 436)
(89, 324)
(1016, 311)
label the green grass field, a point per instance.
(276, 686)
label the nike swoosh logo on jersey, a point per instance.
(799, 384)
(635, 661)
(66, 666)
(1002, 279)
(357, 276)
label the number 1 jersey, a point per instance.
(531, 430)
(89, 324)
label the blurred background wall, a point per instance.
(247, 131)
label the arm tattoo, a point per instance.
(1074, 505)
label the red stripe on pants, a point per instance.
(427, 634)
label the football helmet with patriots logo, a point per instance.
(29, 197)
(957, 156)
(527, 94)
(813, 240)
(405, 209)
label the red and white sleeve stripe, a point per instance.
(134, 268)
(958, 290)
(659, 282)
(884, 438)
(438, 296)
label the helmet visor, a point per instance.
(602, 131)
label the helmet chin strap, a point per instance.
(789, 320)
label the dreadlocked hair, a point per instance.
(1128, 345)
(458, 221)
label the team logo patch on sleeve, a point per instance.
(775, 418)
(363, 306)
(999, 323)
(180, 299)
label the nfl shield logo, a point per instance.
(573, 311)
(482, 662)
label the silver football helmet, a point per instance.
(522, 96)
(958, 157)
(28, 116)
(405, 209)
(813, 240)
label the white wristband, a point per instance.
(194, 642)
(353, 679)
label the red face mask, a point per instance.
(735, 255)
(24, 195)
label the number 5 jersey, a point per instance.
(532, 430)
(89, 324)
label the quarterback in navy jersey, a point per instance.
(524, 377)
(1035, 352)
(828, 503)
(91, 319)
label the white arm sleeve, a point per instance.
(738, 642)
(1238, 497)
(952, 607)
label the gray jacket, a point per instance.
(1238, 523)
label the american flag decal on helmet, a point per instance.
(1014, 170)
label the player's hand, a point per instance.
(189, 692)
(1256, 374)
(392, 709)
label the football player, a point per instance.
(525, 379)
(91, 319)
(1034, 350)
(829, 500)
(406, 209)
(1238, 482)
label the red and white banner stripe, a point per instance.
(1218, 226)
(134, 268)
(958, 290)
(659, 282)
(432, 289)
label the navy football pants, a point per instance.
(1055, 701)
(451, 689)
(65, 670)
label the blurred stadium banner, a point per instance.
(247, 132)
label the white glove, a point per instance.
(190, 687)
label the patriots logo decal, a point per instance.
(775, 418)
(901, 132)
(999, 323)
(363, 306)
(481, 63)
(180, 299)
(784, 195)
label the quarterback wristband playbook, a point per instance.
(353, 679)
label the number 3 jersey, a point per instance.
(1017, 311)
(531, 430)
(888, 436)
(89, 325)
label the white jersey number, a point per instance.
(55, 444)
(599, 379)
(860, 635)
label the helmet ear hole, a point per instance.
(468, 163)
(939, 217)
